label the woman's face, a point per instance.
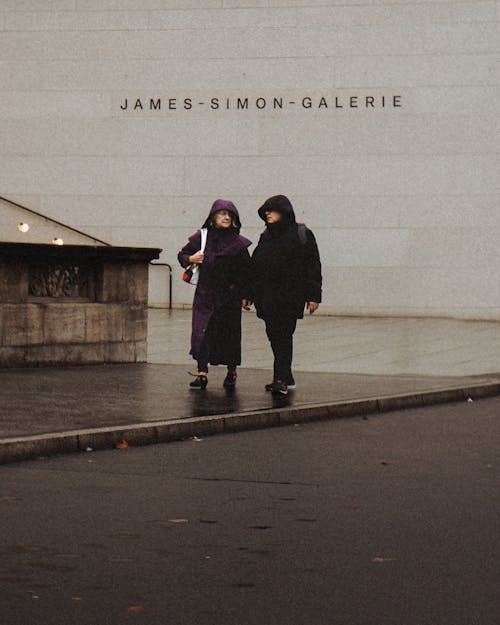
(272, 217)
(223, 219)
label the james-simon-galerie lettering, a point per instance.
(276, 103)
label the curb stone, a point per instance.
(100, 438)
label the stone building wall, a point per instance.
(73, 304)
(126, 119)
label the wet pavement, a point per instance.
(336, 360)
(367, 345)
(57, 399)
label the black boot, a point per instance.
(230, 379)
(200, 382)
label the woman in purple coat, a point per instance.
(224, 269)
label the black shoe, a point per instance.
(279, 388)
(200, 382)
(230, 379)
(290, 383)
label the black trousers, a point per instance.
(280, 331)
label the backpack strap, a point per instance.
(301, 231)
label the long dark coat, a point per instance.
(217, 300)
(286, 273)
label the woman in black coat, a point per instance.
(223, 272)
(286, 277)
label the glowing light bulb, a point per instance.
(57, 241)
(23, 227)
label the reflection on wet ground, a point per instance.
(206, 403)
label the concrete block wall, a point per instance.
(109, 326)
(404, 200)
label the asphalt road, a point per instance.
(390, 520)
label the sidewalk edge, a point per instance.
(146, 433)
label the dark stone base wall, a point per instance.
(37, 331)
(90, 333)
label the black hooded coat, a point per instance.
(222, 278)
(286, 273)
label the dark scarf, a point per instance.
(223, 242)
(279, 228)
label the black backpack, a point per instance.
(301, 232)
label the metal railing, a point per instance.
(169, 267)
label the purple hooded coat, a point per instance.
(222, 281)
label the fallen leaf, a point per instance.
(382, 559)
(122, 445)
(76, 599)
(125, 535)
(136, 609)
(177, 521)
(8, 498)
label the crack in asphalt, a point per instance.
(271, 482)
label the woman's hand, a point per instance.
(312, 307)
(246, 303)
(197, 258)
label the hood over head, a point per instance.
(219, 205)
(279, 203)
